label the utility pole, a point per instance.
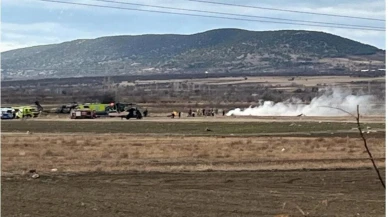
(116, 94)
(369, 87)
(370, 65)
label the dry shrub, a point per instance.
(249, 141)
(309, 150)
(339, 140)
(235, 143)
(46, 139)
(106, 155)
(308, 142)
(95, 162)
(354, 146)
(34, 154)
(124, 155)
(218, 154)
(135, 154)
(137, 144)
(47, 153)
(98, 169)
(320, 139)
(87, 142)
(204, 154)
(71, 157)
(263, 147)
(316, 146)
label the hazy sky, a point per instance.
(31, 22)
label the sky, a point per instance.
(26, 23)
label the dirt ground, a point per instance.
(98, 173)
(293, 193)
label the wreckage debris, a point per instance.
(34, 174)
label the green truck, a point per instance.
(103, 109)
(26, 111)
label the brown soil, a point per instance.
(293, 193)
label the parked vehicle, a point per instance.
(26, 112)
(82, 114)
(7, 113)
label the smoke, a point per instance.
(330, 97)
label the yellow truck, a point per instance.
(26, 111)
(99, 108)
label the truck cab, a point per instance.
(26, 111)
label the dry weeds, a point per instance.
(73, 153)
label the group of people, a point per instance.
(199, 112)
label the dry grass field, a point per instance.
(136, 175)
(308, 81)
(124, 152)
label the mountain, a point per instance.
(216, 51)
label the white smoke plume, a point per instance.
(330, 97)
